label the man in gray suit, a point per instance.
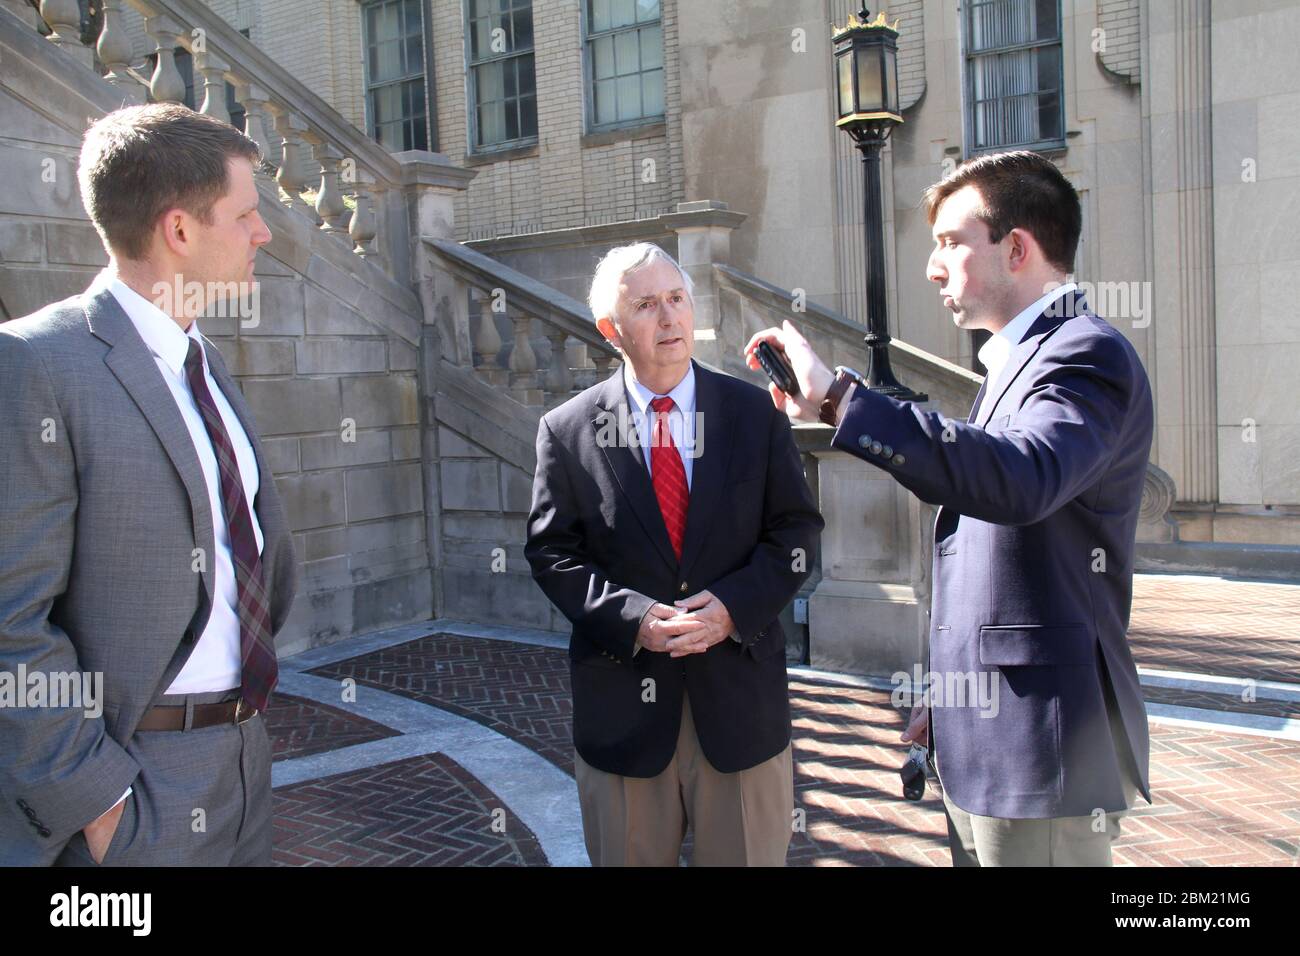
(143, 546)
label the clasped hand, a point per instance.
(689, 626)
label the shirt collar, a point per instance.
(162, 336)
(682, 394)
(994, 353)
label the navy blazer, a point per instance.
(599, 549)
(1033, 567)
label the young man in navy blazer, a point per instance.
(671, 547)
(1034, 542)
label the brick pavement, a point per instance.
(1222, 798)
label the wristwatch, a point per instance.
(844, 377)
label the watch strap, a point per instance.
(838, 387)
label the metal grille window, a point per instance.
(625, 62)
(502, 83)
(1013, 74)
(395, 103)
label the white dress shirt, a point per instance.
(994, 353)
(681, 420)
(214, 663)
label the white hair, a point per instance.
(616, 264)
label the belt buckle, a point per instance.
(240, 711)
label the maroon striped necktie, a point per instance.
(256, 648)
(668, 475)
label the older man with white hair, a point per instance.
(672, 546)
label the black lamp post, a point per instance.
(866, 73)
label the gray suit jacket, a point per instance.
(102, 507)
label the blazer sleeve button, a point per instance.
(899, 460)
(864, 442)
(876, 447)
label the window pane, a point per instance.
(509, 79)
(480, 38)
(844, 66)
(629, 97)
(602, 58)
(647, 10)
(652, 89)
(605, 106)
(489, 82)
(523, 30)
(1045, 20)
(1049, 116)
(512, 121)
(1049, 68)
(598, 16)
(527, 76)
(411, 11)
(419, 133)
(414, 55)
(869, 83)
(622, 12)
(491, 123)
(528, 116)
(652, 48)
(626, 57)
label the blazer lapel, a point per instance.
(713, 447)
(1048, 322)
(616, 436)
(130, 360)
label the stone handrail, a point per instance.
(838, 340)
(522, 299)
(282, 115)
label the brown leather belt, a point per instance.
(172, 716)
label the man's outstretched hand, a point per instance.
(811, 372)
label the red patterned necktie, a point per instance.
(256, 649)
(669, 475)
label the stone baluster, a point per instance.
(254, 100)
(64, 19)
(291, 126)
(362, 227)
(166, 85)
(523, 361)
(575, 351)
(116, 50)
(329, 201)
(213, 70)
(376, 188)
(601, 360)
(487, 341)
(559, 377)
(311, 171)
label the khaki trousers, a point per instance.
(1056, 841)
(738, 819)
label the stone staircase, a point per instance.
(398, 375)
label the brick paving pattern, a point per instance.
(1214, 626)
(299, 728)
(520, 691)
(423, 811)
(1222, 798)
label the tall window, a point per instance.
(1013, 74)
(502, 84)
(625, 62)
(395, 75)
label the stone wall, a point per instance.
(329, 366)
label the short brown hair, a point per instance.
(1020, 190)
(138, 162)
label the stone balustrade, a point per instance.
(554, 348)
(305, 144)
